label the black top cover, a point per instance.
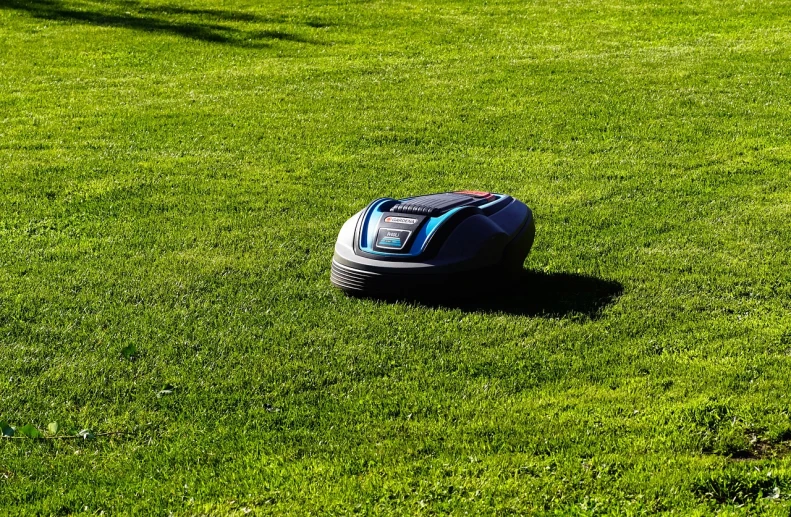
(433, 205)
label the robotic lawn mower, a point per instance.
(437, 244)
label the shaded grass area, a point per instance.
(532, 293)
(172, 179)
(199, 24)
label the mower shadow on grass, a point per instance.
(535, 293)
(200, 24)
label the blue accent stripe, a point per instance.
(370, 224)
(374, 215)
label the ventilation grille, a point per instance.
(434, 204)
(350, 279)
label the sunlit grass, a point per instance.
(172, 180)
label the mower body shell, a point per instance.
(422, 245)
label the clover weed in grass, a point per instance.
(172, 179)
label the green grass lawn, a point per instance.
(172, 180)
